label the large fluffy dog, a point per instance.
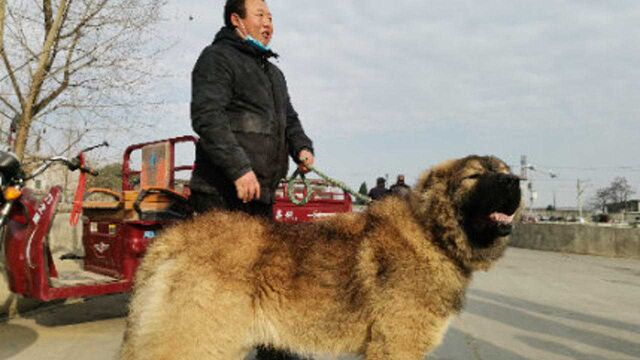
(383, 283)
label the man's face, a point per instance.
(258, 22)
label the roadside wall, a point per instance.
(579, 239)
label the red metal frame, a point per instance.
(322, 203)
(127, 172)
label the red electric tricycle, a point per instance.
(117, 226)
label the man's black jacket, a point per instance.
(241, 110)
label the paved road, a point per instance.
(533, 305)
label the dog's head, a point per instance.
(469, 205)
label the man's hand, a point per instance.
(306, 158)
(248, 187)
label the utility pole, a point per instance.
(524, 175)
(527, 183)
(579, 192)
(523, 167)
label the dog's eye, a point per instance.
(474, 176)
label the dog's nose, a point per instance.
(510, 180)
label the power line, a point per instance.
(597, 168)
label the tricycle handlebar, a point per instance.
(71, 163)
(104, 143)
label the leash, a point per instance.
(307, 185)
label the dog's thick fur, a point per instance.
(383, 283)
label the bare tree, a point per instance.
(601, 198)
(72, 64)
(620, 190)
(618, 193)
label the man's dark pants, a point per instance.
(203, 202)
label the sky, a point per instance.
(389, 87)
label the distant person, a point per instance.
(380, 190)
(400, 189)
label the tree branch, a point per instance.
(6, 102)
(47, 12)
(3, 6)
(65, 82)
(8, 116)
(88, 16)
(5, 59)
(12, 77)
(44, 60)
(57, 39)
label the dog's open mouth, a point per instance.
(502, 222)
(501, 218)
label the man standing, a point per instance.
(400, 189)
(380, 190)
(241, 110)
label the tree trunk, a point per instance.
(24, 125)
(2, 17)
(36, 84)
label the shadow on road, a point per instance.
(14, 339)
(91, 309)
(555, 311)
(517, 313)
(623, 269)
(557, 348)
(458, 345)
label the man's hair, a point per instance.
(234, 6)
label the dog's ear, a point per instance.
(432, 199)
(423, 182)
(431, 176)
